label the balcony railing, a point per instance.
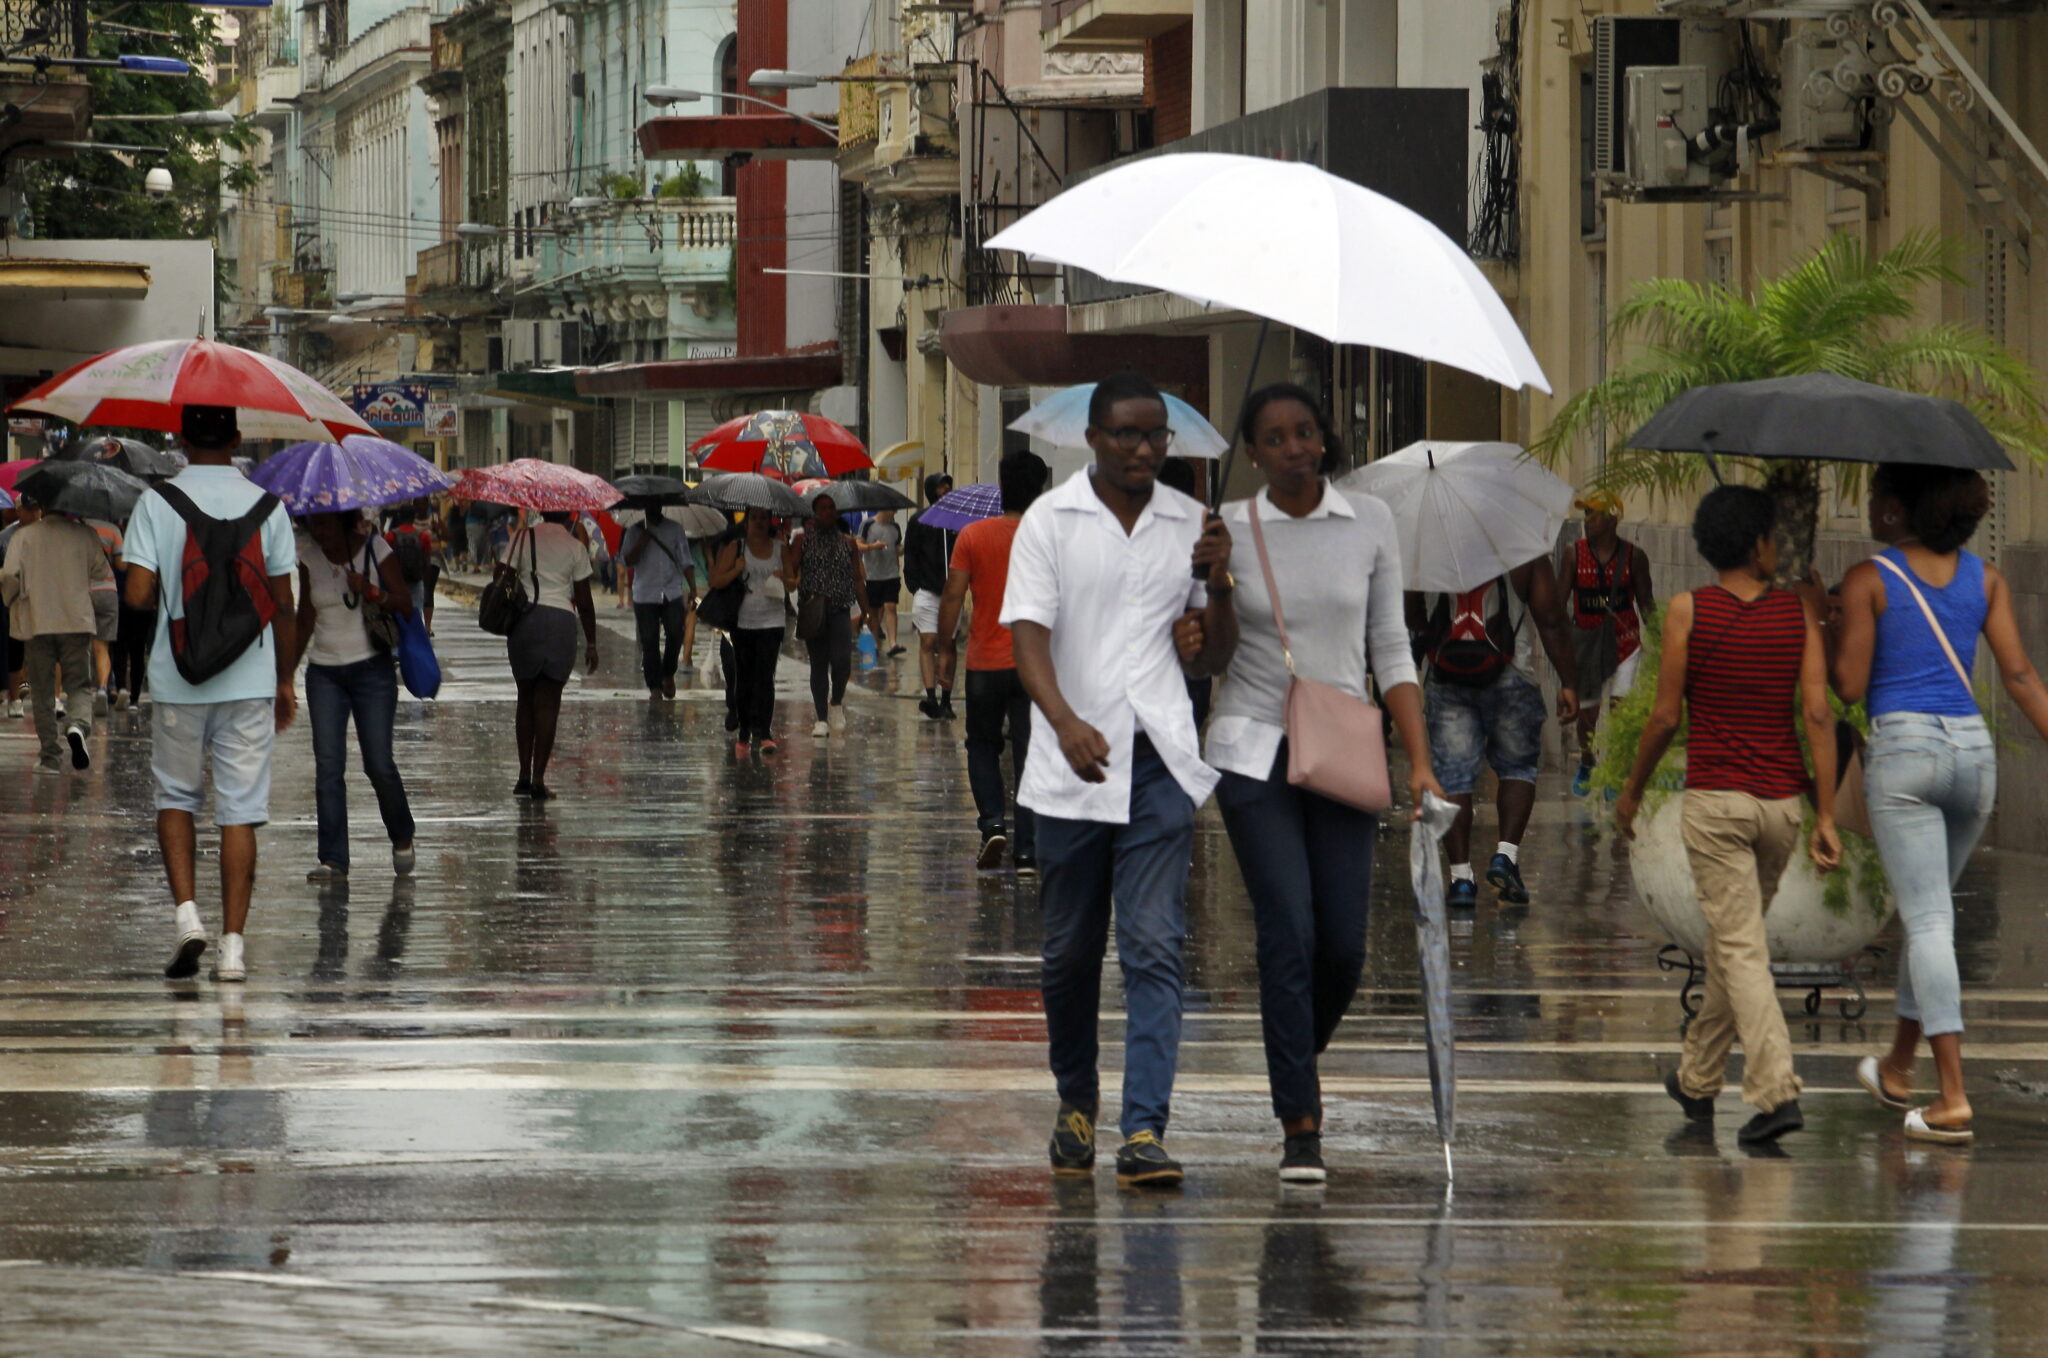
(51, 28)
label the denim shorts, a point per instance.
(1501, 724)
(238, 735)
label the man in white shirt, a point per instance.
(1099, 577)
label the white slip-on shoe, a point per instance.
(403, 860)
(1870, 1074)
(230, 966)
(821, 729)
(191, 942)
(1918, 1128)
(836, 719)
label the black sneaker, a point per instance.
(1142, 1162)
(1302, 1162)
(929, 707)
(1026, 864)
(1073, 1140)
(1786, 1117)
(1461, 894)
(946, 712)
(1504, 875)
(993, 845)
(81, 758)
(1696, 1110)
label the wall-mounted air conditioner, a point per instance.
(1624, 45)
(521, 347)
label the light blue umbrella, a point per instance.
(1062, 420)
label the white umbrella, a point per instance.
(1062, 420)
(1289, 242)
(1465, 512)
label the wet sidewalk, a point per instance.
(751, 1043)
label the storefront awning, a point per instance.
(764, 136)
(1028, 346)
(765, 372)
(72, 280)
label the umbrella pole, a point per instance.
(1450, 1175)
(1251, 375)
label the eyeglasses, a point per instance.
(1130, 436)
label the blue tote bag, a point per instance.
(417, 664)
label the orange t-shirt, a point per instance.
(983, 552)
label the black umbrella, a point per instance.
(91, 490)
(750, 490)
(129, 455)
(641, 491)
(1822, 417)
(861, 497)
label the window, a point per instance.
(1592, 212)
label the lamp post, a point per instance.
(663, 95)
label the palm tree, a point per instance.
(1840, 311)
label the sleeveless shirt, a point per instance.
(1741, 687)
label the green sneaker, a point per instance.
(1142, 1162)
(1073, 1140)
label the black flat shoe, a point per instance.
(1696, 1110)
(1772, 1125)
(522, 788)
(540, 793)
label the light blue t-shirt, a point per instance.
(156, 542)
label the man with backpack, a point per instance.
(220, 670)
(412, 546)
(1483, 706)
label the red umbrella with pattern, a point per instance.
(529, 483)
(787, 444)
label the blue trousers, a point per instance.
(1307, 865)
(367, 691)
(1143, 867)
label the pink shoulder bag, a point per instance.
(1336, 744)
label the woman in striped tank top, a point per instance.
(1744, 661)
(1931, 772)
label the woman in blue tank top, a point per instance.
(1908, 633)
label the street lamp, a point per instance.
(771, 79)
(351, 298)
(663, 95)
(478, 230)
(198, 117)
(583, 202)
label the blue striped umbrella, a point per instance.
(956, 509)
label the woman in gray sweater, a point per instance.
(1307, 860)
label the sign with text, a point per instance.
(442, 420)
(394, 405)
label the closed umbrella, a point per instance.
(91, 490)
(1290, 242)
(1062, 419)
(1433, 954)
(1465, 513)
(148, 386)
(740, 491)
(530, 483)
(360, 472)
(1822, 417)
(789, 444)
(956, 509)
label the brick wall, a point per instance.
(1169, 82)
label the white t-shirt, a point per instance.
(563, 561)
(338, 634)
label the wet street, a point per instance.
(718, 1058)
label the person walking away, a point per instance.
(1742, 666)
(828, 570)
(1483, 705)
(235, 631)
(756, 554)
(476, 525)
(664, 590)
(1099, 576)
(1931, 771)
(13, 651)
(1306, 859)
(555, 569)
(412, 546)
(347, 573)
(48, 579)
(995, 696)
(106, 613)
(927, 557)
(881, 540)
(700, 566)
(1611, 594)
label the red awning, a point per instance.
(1019, 346)
(764, 136)
(766, 372)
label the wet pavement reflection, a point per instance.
(751, 1044)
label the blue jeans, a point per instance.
(1931, 783)
(1143, 867)
(1307, 865)
(1501, 725)
(367, 690)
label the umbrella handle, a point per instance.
(1222, 479)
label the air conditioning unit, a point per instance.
(521, 344)
(1667, 106)
(1821, 75)
(547, 344)
(1622, 45)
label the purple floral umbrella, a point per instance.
(360, 472)
(956, 509)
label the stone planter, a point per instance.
(1801, 927)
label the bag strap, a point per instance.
(648, 533)
(1934, 623)
(1272, 590)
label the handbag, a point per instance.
(418, 666)
(505, 600)
(720, 607)
(1336, 743)
(382, 626)
(810, 617)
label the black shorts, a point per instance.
(882, 592)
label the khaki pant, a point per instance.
(1738, 847)
(45, 655)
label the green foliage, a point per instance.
(98, 195)
(623, 186)
(687, 182)
(1841, 311)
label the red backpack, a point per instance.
(223, 584)
(1472, 646)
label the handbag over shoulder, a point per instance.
(1336, 743)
